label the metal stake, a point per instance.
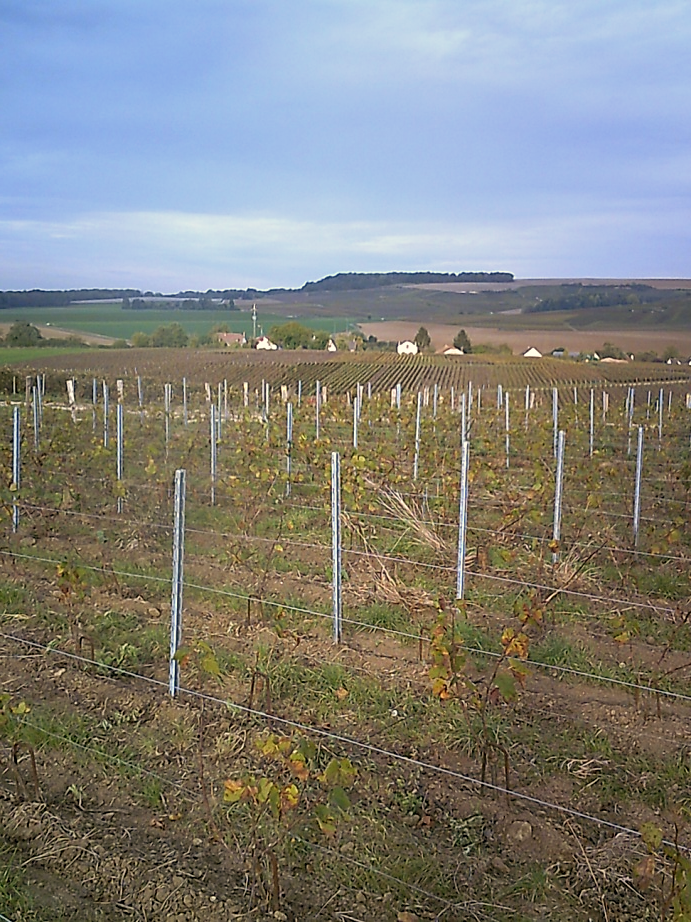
(336, 555)
(177, 581)
(462, 522)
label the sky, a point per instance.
(192, 144)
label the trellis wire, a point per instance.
(363, 624)
(353, 513)
(348, 741)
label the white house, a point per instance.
(331, 346)
(452, 350)
(532, 353)
(265, 343)
(407, 348)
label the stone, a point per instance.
(519, 832)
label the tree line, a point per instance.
(37, 297)
(348, 281)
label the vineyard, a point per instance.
(381, 370)
(359, 716)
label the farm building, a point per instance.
(532, 353)
(407, 348)
(232, 339)
(450, 350)
(265, 343)
(331, 346)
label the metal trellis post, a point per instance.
(637, 488)
(336, 554)
(558, 492)
(177, 581)
(462, 522)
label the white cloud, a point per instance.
(172, 250)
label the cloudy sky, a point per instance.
(170, 144)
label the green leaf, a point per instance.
(209, 664)
(325, 819)
(339, 799)
(506, 685)
(651, 835)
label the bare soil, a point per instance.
(520, 340)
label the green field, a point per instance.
(110, 320)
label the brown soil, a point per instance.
(519, 341)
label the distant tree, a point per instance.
(170, 335)
(294, 335)
(422, 339)
(140, 340)
(23, 334)
(648, 356)
(671, 352)
(320, 339)
(610, 351)
(462, 341)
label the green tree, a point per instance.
(294, 335)
(171, 335)
(612, 351)
(422, 339)
(462, 341)
(140, 340)
(22, 334)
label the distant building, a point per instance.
(232, 339)
(331, 346)
(450, 350)
(265, 343)
(407, 348)
(532, 353)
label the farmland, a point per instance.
(110, 320)
(520, 753)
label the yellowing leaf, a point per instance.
(290, 797)
(233, 791)
(651, 835)
(298, 767)
(644, 872)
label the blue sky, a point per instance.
(164, 144)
